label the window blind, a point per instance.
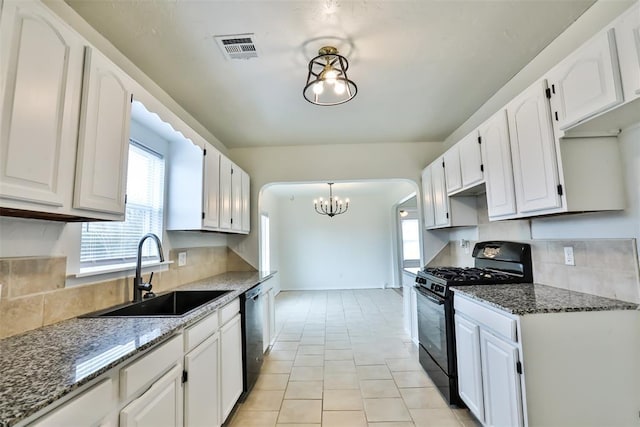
(112, 243)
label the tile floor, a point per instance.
(341, 358)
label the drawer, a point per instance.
(486, 316)
(228, 311)
(197, 333)
(140, 373)
(86, 409)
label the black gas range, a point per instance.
(495, 262)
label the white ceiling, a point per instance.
(422, 67)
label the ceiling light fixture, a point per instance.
(327, 81)
(331, 207)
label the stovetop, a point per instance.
(469, 274)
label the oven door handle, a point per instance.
(429, 297)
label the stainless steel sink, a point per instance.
(172, 304)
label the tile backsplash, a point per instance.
(33, 292)
(604, 267)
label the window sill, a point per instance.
(105, 273)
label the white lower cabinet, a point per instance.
(488, 360)
(230, 365)
(269, 318)
(91, 408)
(501, 381)
(160, 405)
(201, 390)
(469, 365)
(547, 369)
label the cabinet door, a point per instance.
(628, 41)
(587, 82)
(246, 198)
(427, 198)
(225, 193)
(469, 365)
(201, 393)
(440, 197)
(161, 405)
(90, 408)
(453, 178)
(41, 79)
(500, 381)
(533, 150)
(471, 167)
(236, 198)
(211, 188)
(496, 156)
(266, 321)
(103, 141)
(230, 365)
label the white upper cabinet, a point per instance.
(463, 165)
(440, 210)
(211, 190)
(627, 29)
(41, 72)
(452, 172)
(236, 198)
(439, 189)
(471, 167)
(496, 155)
(103, 140)
(225, 193)
(427, 198)
(194, 186)
(246, 195)
(587, 82)
(535, 167)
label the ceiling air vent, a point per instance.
(237, 46)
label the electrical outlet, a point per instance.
(568, 256)
(182, 259)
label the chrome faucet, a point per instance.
(138, 285)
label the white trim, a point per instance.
(112, 272)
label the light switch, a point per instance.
(182, 259)
(568, 256)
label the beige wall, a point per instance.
(322, 163)
(33, 293)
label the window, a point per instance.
(112, 243)
(410, 239)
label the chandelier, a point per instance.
(327, 81)
(333, 206)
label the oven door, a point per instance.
(432, 327)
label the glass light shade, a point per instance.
(331, 68)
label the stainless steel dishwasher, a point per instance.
(252, 354)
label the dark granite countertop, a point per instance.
(41, 366)
(527, 298)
